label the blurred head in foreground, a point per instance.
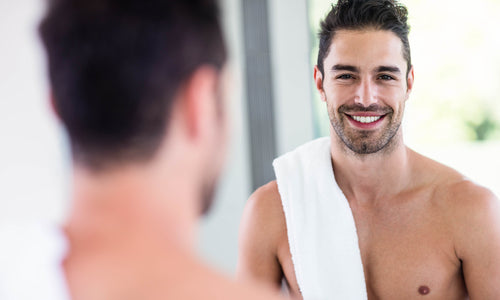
(137, 84)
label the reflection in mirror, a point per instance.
(360, 214)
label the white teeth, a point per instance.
(366, 119)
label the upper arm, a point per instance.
(478, 241)
(261, 230)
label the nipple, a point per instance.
(424, 290)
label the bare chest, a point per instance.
(408, 254)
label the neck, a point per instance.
(368, 178)
(133, 202)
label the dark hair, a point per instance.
(363, 14)
(115, 67)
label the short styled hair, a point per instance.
(115, 67)
(364, 14)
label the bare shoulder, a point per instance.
(470, 195)
(462, 196)
(452, 188)
(471, 206)
(262, 231)
(264, 210)
(268, 191)
(458, 199)
(471, 210)
(266, 197)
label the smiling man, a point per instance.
(359, 215)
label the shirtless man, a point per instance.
(423, 230)
(138, 87)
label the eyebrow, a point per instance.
(391, 69)
(345, 68)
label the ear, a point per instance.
(409, 82)
(318, 80)
(200, 96)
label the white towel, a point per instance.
(321, 229)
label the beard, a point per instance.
(366, 141)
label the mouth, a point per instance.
(365, 121)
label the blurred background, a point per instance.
(452, 115)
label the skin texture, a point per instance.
(424, 230)
(132, 229)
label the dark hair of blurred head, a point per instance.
(364, 14)
(115, 67)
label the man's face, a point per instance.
(365, 87)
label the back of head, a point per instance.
(115, 67)
(364, 14)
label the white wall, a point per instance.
(33, 173)
(292, 73)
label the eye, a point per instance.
(386, 77)
(345, 76)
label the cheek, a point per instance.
(337, 95)
(401, 98)
(332, 107)
(393, 96)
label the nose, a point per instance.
(366, 93)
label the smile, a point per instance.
(366, 120)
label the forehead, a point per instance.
(365, 49)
